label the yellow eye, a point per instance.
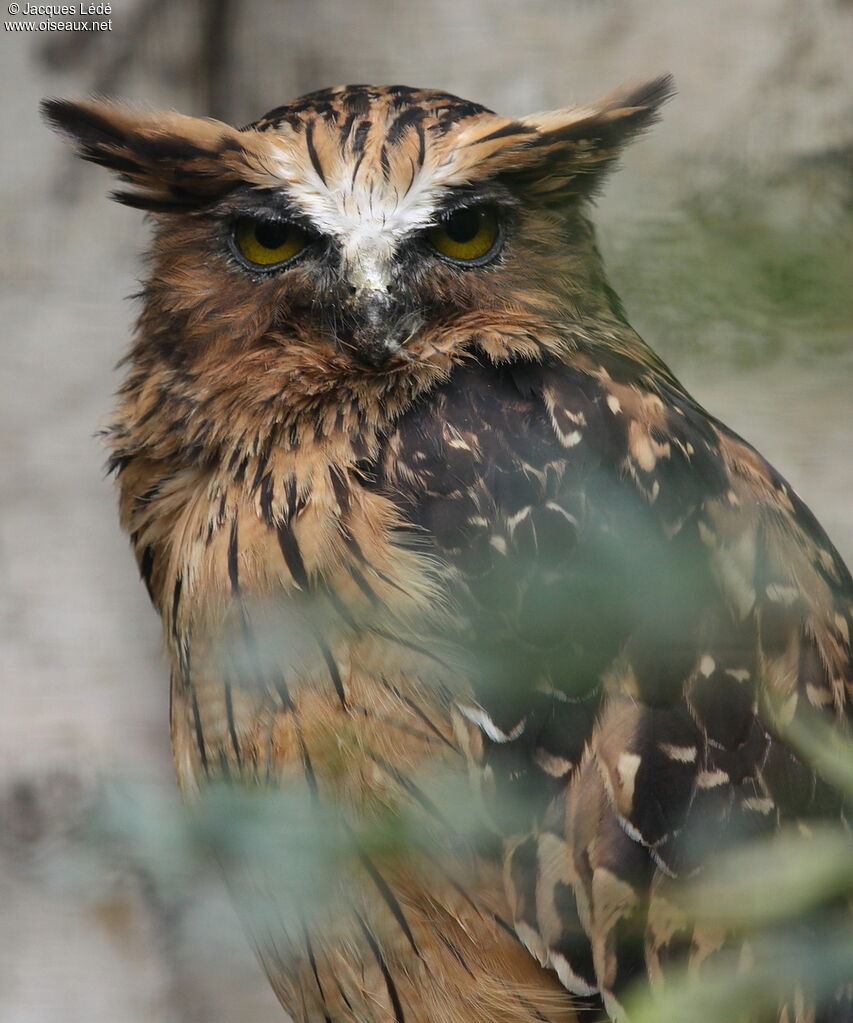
(467, 236)
(268, 243)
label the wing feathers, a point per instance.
(664, 603)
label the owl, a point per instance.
(411, 496)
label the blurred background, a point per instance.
(727, 233)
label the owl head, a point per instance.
(340, 255)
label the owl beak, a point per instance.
(377, 330)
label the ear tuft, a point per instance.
(624, 113)
(175, 162)
(90, 131)
(649, 95)
(576, 147)
(563, 153)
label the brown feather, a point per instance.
(515, 551)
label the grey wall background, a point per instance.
(728, 233)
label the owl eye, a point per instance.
(469, 235)
(268, 243)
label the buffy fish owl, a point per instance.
(411, 496)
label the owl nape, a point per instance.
(500, 633)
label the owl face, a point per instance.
(370, 244)
(342, 253)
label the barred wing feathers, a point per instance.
(649, 603)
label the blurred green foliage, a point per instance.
(785, 897)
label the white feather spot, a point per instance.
(712, 779)
(533, 942)
(499, 543)
(626, 770)
(707, 665)
(684, 754)
(738, 674)
(818, 696)
(643, 454)
(614, 1009)
(614, 404)
(514, 520)
(553, 506)
(478, 717)
(568, 978)
(759, 805)
(629, 829)
(645, 450)
(781, 594)
(556, 766)
(569, 440)
(661, 863)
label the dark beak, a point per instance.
(377, 327)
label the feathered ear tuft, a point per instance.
(176, 162)
(564, 152)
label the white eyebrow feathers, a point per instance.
(367, 211)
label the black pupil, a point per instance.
(462, 226)
(272, 234)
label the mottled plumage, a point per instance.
(495, 532)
